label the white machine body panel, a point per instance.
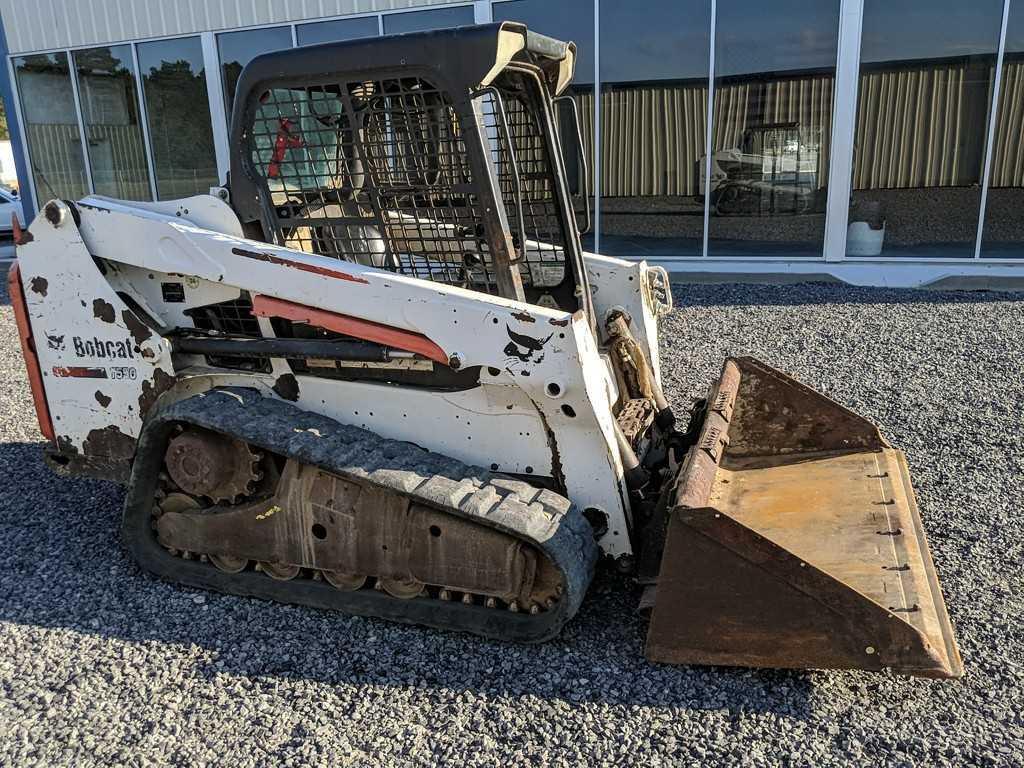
(542, 405)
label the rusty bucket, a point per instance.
(792, 539)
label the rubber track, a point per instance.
(544, 519)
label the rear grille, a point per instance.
(234, 318)
(231, 318)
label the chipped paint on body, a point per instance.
(507, 418)
(96, 380)
(39, 285)
(312, 268)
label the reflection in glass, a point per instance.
(919, 148)
(774, 76)
(51, 126)
(654, 90)
(1004, 211)
(568, 20)
(340, 29)
(110, 111)
(315, 162)
(178, 111)
(420, 21)
(237, 49)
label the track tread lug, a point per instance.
(544, 519)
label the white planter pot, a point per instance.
(862, 240)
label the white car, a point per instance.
(10, 204)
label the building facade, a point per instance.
(878, 142)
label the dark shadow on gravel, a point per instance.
(62, 565)
(5, 296)
(745, 294)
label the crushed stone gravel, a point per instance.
(102, 665)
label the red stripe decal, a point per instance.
(267, 306)
(79, 372)
(316, 270)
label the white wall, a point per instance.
(44, 24)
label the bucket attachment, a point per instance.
(793, 540)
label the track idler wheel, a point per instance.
(347, 582)
(280, 571)
(404, 589)
(229, 564)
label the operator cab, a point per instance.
(439, 160)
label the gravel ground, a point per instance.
(103, 665)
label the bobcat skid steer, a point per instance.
(376, 374)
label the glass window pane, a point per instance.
(567, 20)
(919, 148)
(110, 110)
(317, 161)
(654, 91)
(341, 29)
(237, 49)
(419, 21)
(775, 70)
(178, 111)
(51, 126)
(1003, 236)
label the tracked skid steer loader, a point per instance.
(376, 373)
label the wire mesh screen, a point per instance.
(230, 318)
(377, 172)
(519, 154)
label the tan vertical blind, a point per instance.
(652, 138)
(1008, 147)
(915, 127)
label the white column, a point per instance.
(144, 120)
(996, 86)
(82, 133)
(709, 123)
(218, 113)
(482, 12)
(597, 127)
(844, 125)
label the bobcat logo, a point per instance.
(55, 343)
(523, 348)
